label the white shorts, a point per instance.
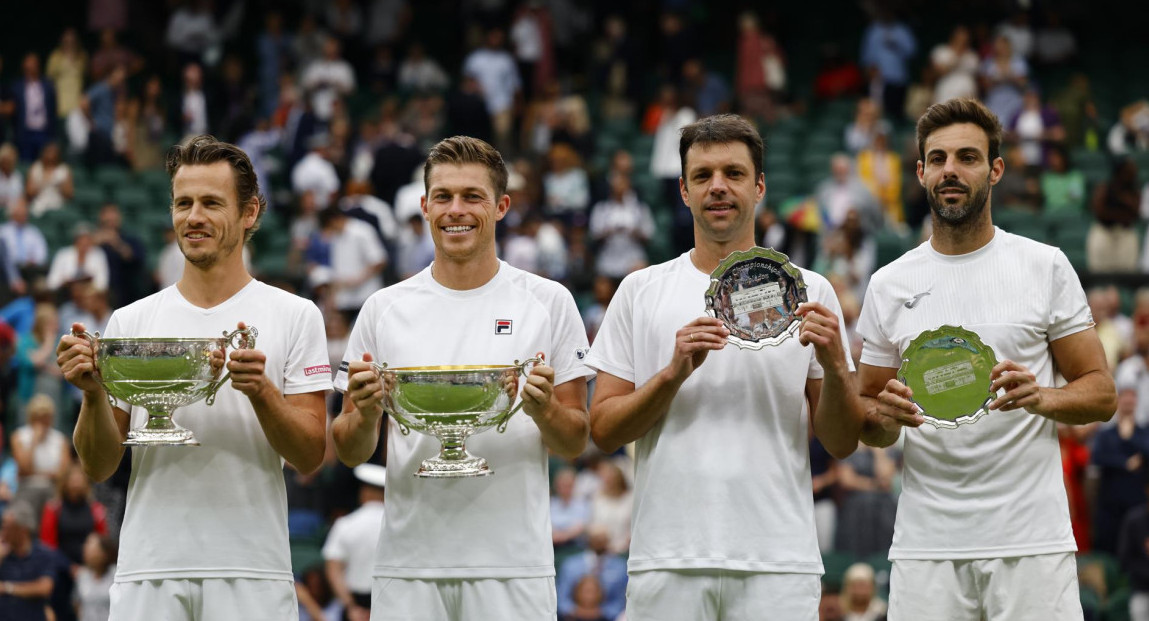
(209, 599)
(713, 594)
(521, 599)
(1037, 588)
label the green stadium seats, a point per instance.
(835, 564)
(112, 177)
(1117, 606)
(890, 246)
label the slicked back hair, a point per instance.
(956, 111)
(720, 129)
(204, 150)
(459, 150)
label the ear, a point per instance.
(682, 190)
(921, 174)
(760, 188)
(251, 213)
(423, 207)
(502, 206)
(996, 170)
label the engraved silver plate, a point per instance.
(756, 293)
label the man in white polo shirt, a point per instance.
(349, 552)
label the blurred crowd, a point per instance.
(336, 103)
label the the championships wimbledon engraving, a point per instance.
(756, 293)
(948, 370)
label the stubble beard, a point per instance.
(959, 215)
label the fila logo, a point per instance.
(917, 298)
(502, 326)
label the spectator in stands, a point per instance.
(420, 73)
(33, 361)
(49, 182)
(615, 67)
(344, 21)
(1112, 244)
(24, 244)
(1133, 556)
(1035, 128)
(101, 100)
(66, 67)
(316, 174)
(887, 47)
(848, 253)
(1119, 453)
(273, 54)
(357, 260)
(328, 80)
(842, 192)
(170, 264)
(532, 35)
(867, 124)
(956, 64)
(192, 30)
(1054, 43)
(11, 179)
(110, 54)
(1062, 186)
(665, 118)
(9, 477)
(81, 259)
(94, 579)
(569, 515)
(566, 187)
(193, 102)
(704, 90)
(42, 452)
(612, 505)
(824, 482)
(760, 79)
(620, 227)
(467, 111)
(1114, 330)
(588, 602)
(349, 551)
(858, 595)
(33, 110)
(126, 257)
(396, 159)
(866, 517)
(73, 515)
(838, 76)
(1004, 78)
(416, 248)
(26, 569)
(1131, 132)
(599, 561)
(495, 70)
(880, 169)
(1019, 33)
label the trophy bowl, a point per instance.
(160, 375)
(452, 403)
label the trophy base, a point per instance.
(161, 437)
(437, 468)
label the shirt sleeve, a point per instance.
(361, 340)
(570, 344)
(334, 548)
(1068, 308)
(613, 349)
(307, 368)
(877, 349)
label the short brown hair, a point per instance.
(205, 150)
(960, 110)
(460, 150)
(718, 129)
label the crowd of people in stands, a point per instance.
(336, 104)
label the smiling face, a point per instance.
(957, 173)
(462, 208)
(719, 186)
(208, 222)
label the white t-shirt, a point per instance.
(723, 480)
(355, 249)
(489, 527)
(498, 76)
(352, 541)
(218, 510)
(93, 594)
(992, 489)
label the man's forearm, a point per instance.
(874, 432)
(98, 437)
(622, 419)
(1087, 399)
(840, 414)
(355, 436)
(294, 431)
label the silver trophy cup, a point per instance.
(452, 403)
(160, 375)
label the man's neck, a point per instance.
(708, 254)
(210, 287)
(963, 238)
(466, 275)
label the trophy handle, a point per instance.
(533, 362)
(246, 340)
(380, 368)
(93, 340)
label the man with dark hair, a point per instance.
(983, 528)
(470, 549)
(723, 522)
(26, 569)
(225, 501)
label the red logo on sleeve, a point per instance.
(317, 369)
